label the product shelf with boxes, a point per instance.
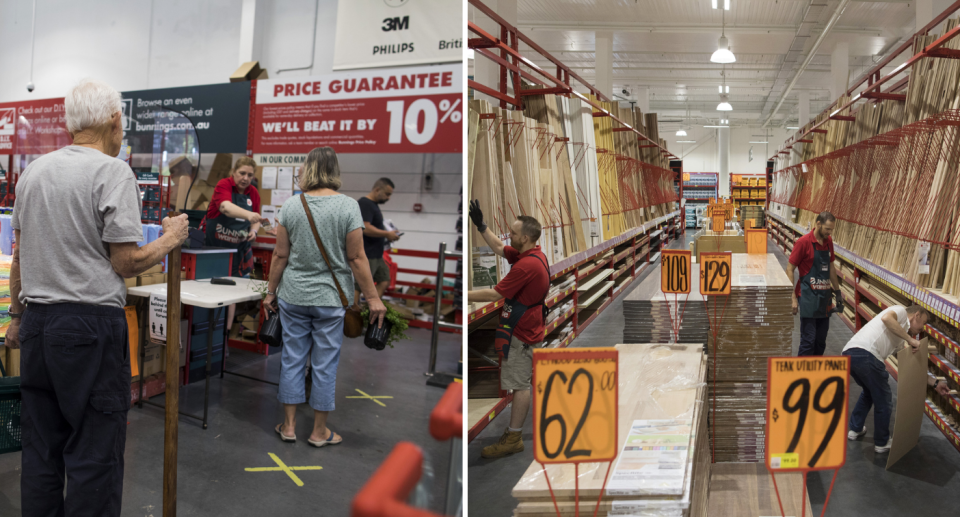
(748, 189)
(582, 287)
(698, 189)
(875, 289)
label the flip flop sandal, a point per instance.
(284, 437)
(331, 441)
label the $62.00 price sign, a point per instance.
(675, 271)
(575, 405)
(715, 269)
(807, 412)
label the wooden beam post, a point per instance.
(172, 406)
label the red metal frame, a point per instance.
(386, 492)
(874, 81)
(446, 419)
(507, 43)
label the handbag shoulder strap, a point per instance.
(323, 251)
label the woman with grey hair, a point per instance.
(311, 311)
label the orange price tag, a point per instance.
(686, 176)
(575, 405)
(715, 271)
(719, 221)
(807, 412)
(675, 271)
(756, 241)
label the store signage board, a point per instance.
(218, 112)
(715, 273)
(575, 405)
(675, 271)
(807, 413)
(377, 33)
(389, 110)
(33, 127)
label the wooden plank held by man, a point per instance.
(172, 406)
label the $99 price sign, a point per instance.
(807, 412)
(575, 405)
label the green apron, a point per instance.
(816, 292)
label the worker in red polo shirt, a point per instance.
(520, 329)
(818, 287)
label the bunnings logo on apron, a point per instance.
(816, 290)
(230, 235)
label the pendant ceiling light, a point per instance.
(681, 132)
(724, 98)
(723, 54)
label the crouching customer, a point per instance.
(75, 355)
(311, 295)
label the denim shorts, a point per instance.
(314, 334)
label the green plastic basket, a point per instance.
(9, 413)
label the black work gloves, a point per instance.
(476, 215)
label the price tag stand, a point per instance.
(675, 273)
(715, 281)
(806, 417)
(578, 390)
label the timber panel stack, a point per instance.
(755, 323)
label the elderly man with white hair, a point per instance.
(77, 224)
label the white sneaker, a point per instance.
(853, 435)
(883, 448)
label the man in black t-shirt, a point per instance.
(374, 235)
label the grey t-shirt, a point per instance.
(307, 281)
(70, 204)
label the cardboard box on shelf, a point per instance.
(130, 282)
(247, 72)
(151, 279)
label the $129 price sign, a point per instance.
(675, 271)
(575, 405)
(807, 412)
(715, 269)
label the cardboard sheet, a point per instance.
(911, 394)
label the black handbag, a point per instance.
(271, 331)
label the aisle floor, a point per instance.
(924, 482)
(243, 413)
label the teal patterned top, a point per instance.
(307, 281)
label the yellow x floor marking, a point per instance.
(281, 467)
(365, 396)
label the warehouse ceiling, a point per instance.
(665, 45)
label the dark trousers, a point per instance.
(813, 336)
(870, 373)
(75, 381)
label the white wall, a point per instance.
(144, 44)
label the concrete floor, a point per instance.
(925, 482)
(243, 413)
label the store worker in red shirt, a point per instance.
(520, 329)
(233, 217)
(818, 287)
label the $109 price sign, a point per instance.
(575, 405)
(807, 412)
(675, 271)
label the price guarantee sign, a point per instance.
(575, 405)
(807, 413)
(715, 273)
(675, 271)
